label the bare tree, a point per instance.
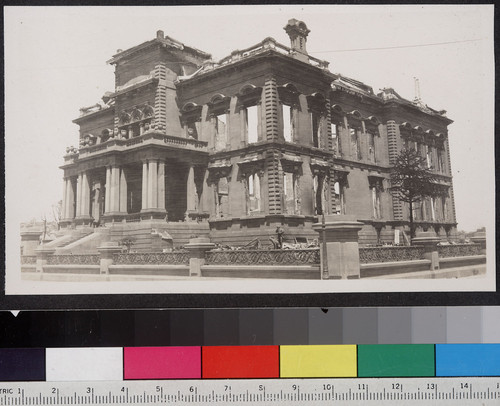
(412, 180)
(57, 213)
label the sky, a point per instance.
(55, 63)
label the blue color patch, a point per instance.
(467, 359)
(22, 364)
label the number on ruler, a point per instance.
(397, 386)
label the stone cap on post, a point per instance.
(198, 246)
(44, 251)
(338, 237)
(108, 248)
(341, 223)
(428, 239)
(31, 235)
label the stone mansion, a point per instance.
(267, 137)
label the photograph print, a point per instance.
(262, 149)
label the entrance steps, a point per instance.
(156, 235)
(77, 235)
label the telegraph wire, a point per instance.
(396, 47)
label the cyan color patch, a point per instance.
(468, 360)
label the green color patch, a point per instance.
(399, 360)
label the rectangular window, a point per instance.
(376, 192)
(355, 149)
(316, 120)
(440, 157)
(336, 138)
(319, 186)
(252, 123)
(288, 124)
(340, 202)
(192, 129)
(253, 187)
(222, 198)
(220, 132)
(444, 202)
(433, 209)
(290, 192)
(417, 211)
(428, 155)
(371, 147)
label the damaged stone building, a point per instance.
(267, 137)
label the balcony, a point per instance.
(126, 144)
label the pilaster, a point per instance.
(191, 210)
(123, 192)
(161, 185)
(271, 109)
(392, 144)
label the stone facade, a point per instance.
(267, 137)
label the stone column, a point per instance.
(114, 194)
(70, 200)
(197, 248)
(68, 203)
(85, 204)
(64, 199)
(79, 195)
(161, 185)
(144, 201)
(429, 241)
(207, 196)
(83, 200)
(123, 192)
(191, 195)
(153, 184)
(107, 250)
(42, 254)
(107, 197)
(338, 238)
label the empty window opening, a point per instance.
(252, 124)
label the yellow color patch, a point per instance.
(317, 361)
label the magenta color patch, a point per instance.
(162, 362)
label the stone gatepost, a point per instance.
(429, 240)
(30, 241)
(197, 248)
(338, 236)
(107, 250)
(480, 238)
(42, 254)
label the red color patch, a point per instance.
(240, 362)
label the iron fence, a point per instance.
(458, 250)
(264, 257)
(389, 254)
(88, 259)
(28, 259)
(152, 258)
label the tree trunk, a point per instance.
(412, 231)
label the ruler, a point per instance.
(383, 391)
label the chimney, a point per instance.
(160, 34)
(298, 31)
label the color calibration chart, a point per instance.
(424, 355)
(288, 374)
